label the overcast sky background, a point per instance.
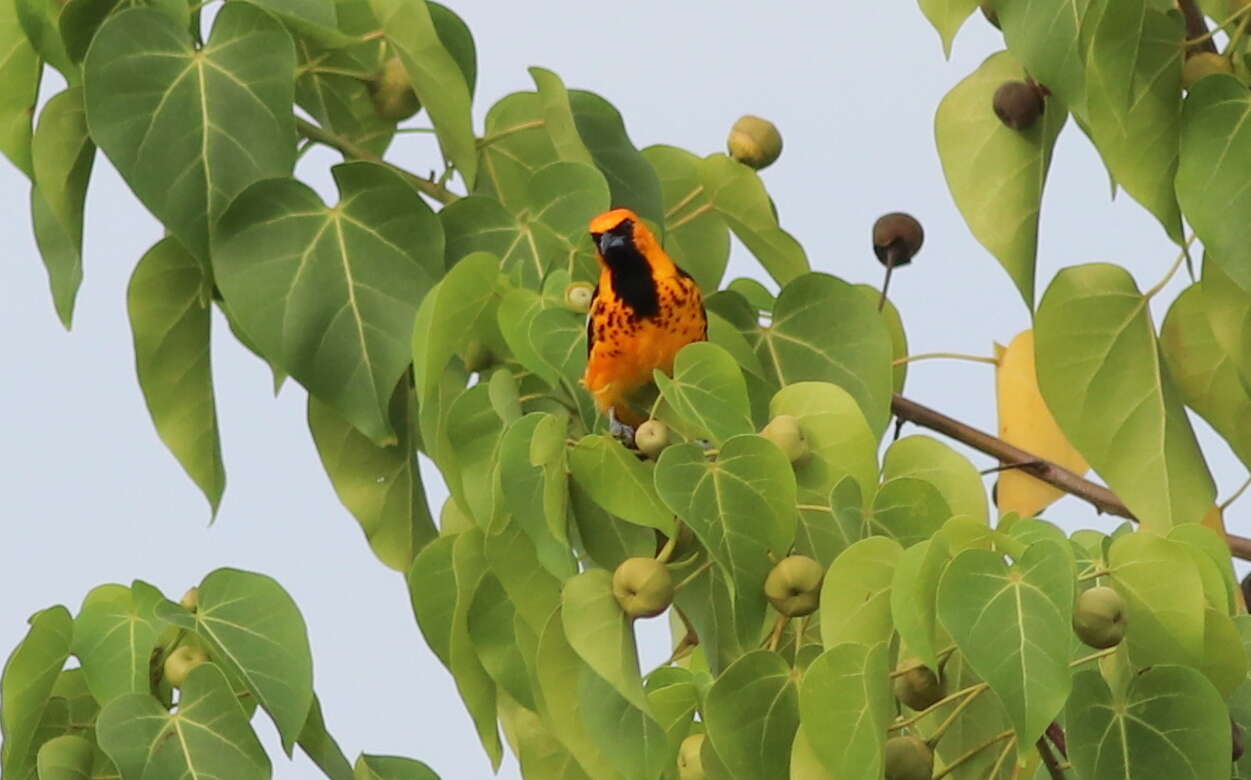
(92, 496)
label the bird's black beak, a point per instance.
(611, 241)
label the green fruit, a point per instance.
(392, 92)
(794, 585)
(179, 663)
(918, 687)
(784, 431)
(1099, 618)
(908, 758)
(643, 587)
(897, 237)
(1204, 64)
(651, 438)
(690, 762)
(578, 296)
(1017, 104)
(755, 142)
(191, 599)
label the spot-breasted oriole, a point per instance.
(643, 311)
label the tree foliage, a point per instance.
(445, 316)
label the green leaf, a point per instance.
(855, 595)
(1044, 36)
(696, 237)
(1163, 593)
(1229, 314)
(1099, 371)
(515, 144)
(491, 623)
(314, 19)
(253, 628)
(825, 330)
(62, 156)
(751, 714)
(380, 486)
(199, 108)
(436, 78)
(619, 482)
(631, 178)
(1215, 165)
(392, 768)
(170, 322)
(457, 39)
(840, 443)
(1170, 724)
(538, 751)
(449, 315)
(113, 641)
(66, 757)
(341, 103)
(334, 301)
(537, 495)
(599, 631)
(909, 509)
(947, 16)
(913, 597)
(321, 748)
(208, 735)
(1224, 658)
(20, 70)
(1207, 377)
(606, 539)
(558, 117)
(708, 391)
(845, 699)
(898, 337)
(534, 592)
(930, 460)
(737, 194)
(996, 174)
(38, 18)
(1013, 627)
(741, 505)
(441, 585)
(26, 685)
(79, 20)
(1133, 100)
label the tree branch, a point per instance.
(353, 151)
(1102, 499)
(1196, 27)
(1049, 759)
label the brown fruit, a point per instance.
(1099, 618)
(897, 237)
(690, 762)
(392, 92)
(794, 585)
(1202, 65)
(1017, 104)
(191, 599)
(643, 587)
(651, 438)
(784, 432)
(908, 758)
(918, 687)
(755, 142)
(179, 663)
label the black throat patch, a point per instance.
(632, 280)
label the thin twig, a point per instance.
(1225, 504)
(947, 355)
(1101, 498)
(973, 751)
(1049, 759)
(1196, 27)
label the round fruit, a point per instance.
(578, 296)
(643, 587)
(989, 12)
(755, 142)
(1017, 104)
(908, 758)
(392, 92)
(179, 663)
(897, 237)
(1204, 64)
(794, 585)
(1099, 618)
(784, 431)
(651, 438)
(191, 599)
(690, 762)
(918, 687)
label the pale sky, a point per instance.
(93, 496)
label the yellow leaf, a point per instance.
(1026, 422)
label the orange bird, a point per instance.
(644, 309)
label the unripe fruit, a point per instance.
(755, 142)
(989, 12)
(784, 431)
(578, 296)
(651, 438)
(1099, 618)
(1017, 104)
(794, 585)
(690, 762)
(392, 92)
(179, 664)
(897, 237)
(908, 758)
(1203, 64)
(643, 587)
(191, 599)
(918, 687)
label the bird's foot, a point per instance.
(620, 431)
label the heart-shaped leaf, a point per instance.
(630, 176)
(1013, 627)
(751, 714)
(1163, 594)
(600, 632)
(708, 391)
(930, 460)
(696, 236)
(839, 441)
(909, 509)
(913, 597)
(855, 596)
(20, 69)
(113, 641)
(196, 110)
(947, 16)
(330, 293)
(845, 699)
(391, 768)
(619, 482)
(26, 685)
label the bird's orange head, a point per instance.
(624, 242)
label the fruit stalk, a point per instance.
(973, 751)
(1196, 26)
